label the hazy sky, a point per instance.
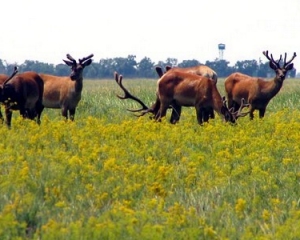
(45, 30)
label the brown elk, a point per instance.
(257, 92)
(177, 89)
(65, 92)
(200, 70)
(23, 92)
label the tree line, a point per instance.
(131, 68)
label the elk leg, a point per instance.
(39, 109)
(162, 111)
(8, 114)
(29, 114)
(251, 113)
(262, 112)
(1, 117)
(176, 112)
(206, 114)
(200, 113)
(64, 112)
(72, 114)
(23, 112)
(211, 113)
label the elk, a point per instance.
(257, 92)
(200, 70)
(65, 92)
(178, 89)
(23, 92)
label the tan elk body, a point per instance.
(65, 92)
(257, 92)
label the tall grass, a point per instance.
(111, 175)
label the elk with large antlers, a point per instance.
(257, 92)
(177, 89)
(23, 92)
(65, 92)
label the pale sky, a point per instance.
(46, 31)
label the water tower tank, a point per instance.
(221, 47)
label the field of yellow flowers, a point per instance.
(111, 175)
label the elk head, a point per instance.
(275, 65)
(77, 68)
(2, 98)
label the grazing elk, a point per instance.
(65, 92)
(177, 89)
(23, 92)
(200, 70)
(257, 92)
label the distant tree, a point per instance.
(105, 68)
(171, 62)
(292, 73)
(220, 67)
(2, 67)
(125, 66)
(62, 70)
(91, 71)
(10, 68)
(145, 68)
(263, 69)
(36, 66)
(189, 63)
(249, 67)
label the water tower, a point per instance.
(221, 47)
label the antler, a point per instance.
(12, 75)
(239, 112)
(271, 59)
(144, 108)
(86, 58)
(287, 63)
(71, 58)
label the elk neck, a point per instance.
(272, 87)
(217, 103)
(78, 84)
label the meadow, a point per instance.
(111, 175)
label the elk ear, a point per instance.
(272, 65)
(289, 67)
(88, 62)
(168, 68)
(69, 63)
(159, 71)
